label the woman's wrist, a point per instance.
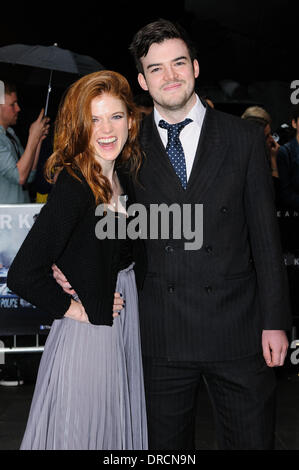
(76, 311)
(74, 308)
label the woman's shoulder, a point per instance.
(73, 189)
(72, 180)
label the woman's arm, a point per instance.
(30, 274)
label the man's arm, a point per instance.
(37, 133)
(63, 282)
(267, 255)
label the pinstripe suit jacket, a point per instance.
(212, 303)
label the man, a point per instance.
(213, 312)
(219, 312)
(17, 166)
(262, 117)
(288, 165)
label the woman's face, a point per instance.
(110, 127)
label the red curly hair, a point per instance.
(73, 130)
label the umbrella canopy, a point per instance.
(49, 57)
(52, 58)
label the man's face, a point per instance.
(169, 75)
(269, 139)
(9, 111)
(295, 125)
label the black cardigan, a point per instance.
(64, 233)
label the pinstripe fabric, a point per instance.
(242, 394)
(202, 312)
(212, 304)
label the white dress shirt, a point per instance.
(189, 135)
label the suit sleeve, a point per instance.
(30, 275)
(265, 240)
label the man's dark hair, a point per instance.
(157, 32)
(9, 87)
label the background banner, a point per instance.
(16, 315)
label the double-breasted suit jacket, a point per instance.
(213, 303)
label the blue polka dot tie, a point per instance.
(174, 148)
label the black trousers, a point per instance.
(242, 393)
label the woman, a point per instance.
(89, 392)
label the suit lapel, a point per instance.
(210, 155)
(159, 160)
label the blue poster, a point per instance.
(16, 315)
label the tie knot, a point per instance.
(174, 129)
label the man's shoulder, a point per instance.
(236, 122)
(288, 149)
(228, 124)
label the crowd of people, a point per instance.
(139, 323)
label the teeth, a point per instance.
(107, 140)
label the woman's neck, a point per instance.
(108, 170)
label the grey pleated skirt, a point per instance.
(89, 393)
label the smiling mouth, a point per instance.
(172, 86)
(106, 140)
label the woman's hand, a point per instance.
(77, 312)
(119, 303)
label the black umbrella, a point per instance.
(52, 58)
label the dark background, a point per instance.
(252, 43)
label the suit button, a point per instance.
(208, 249)
(208, 289)
(169, 249)
(170, 288)
(224, 210)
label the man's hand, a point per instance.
(39, 129)
(275, 345)
(62, 280)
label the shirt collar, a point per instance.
(10, 129)
(196, 113)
